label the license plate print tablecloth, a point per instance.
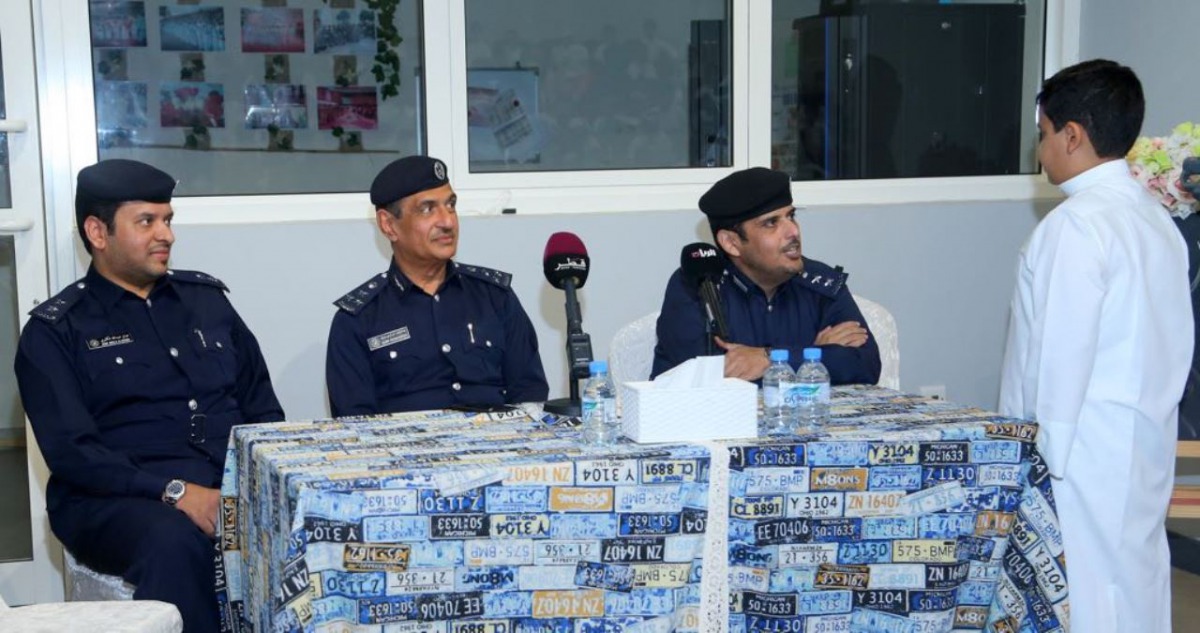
(904, 514)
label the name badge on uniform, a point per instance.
(109, 341)
(388, 338)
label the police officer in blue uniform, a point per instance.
(430, 332)
(132, 378)
(773, 296)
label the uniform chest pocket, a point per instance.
(214, 347)
(398, 367)
(483, 357)
(122, 367)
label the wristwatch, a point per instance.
(174, 491)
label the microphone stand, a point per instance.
(579, 356)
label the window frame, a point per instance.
(68, 132)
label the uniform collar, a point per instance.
(747, 285)
(109, 293)
(402, 283)
(1100, 173)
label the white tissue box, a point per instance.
(659, 414)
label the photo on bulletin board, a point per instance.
(344, 31)
(191, 104)
(273, 30)
(280, 105)
(120, 105)
(350, 108)
(192, 28)
(502, 115)
(117, 24)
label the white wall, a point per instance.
(1158, 40)
(944, 270)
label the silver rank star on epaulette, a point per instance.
(490, 275)
(195, 276)
(55, 307)
(356, 299)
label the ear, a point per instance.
(96, 232)
(1076, 136)
(729, 242)
(384, 219)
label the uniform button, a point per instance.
(392, 354)
(218, 344)
(81, 285)
(488, 343)
(192, 404)
(174, 353)
(120, 361)
(149, 303)
(456, 386)
(445, 348)
(371, 285)
(437, 298)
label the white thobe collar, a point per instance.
(1104, 171)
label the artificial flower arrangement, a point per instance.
(1169, 167)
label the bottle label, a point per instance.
(801, 394)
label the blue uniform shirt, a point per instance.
(802, 307)
(125, 394)
(392, 347)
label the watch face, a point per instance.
(175, 489)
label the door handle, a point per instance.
(10, 226)
(13, 125)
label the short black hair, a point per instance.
(106, 212)
(1103, 97)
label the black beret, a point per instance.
(119, 180)
(406, 176)
(745, 194)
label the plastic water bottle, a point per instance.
(777, 416)
(600, 424)
(810, 393)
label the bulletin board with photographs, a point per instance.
(298, 76)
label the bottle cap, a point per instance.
(779, 356)
(812, 353)
(598, 367)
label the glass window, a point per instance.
(276, 97)
(896, 89)
(621, 84)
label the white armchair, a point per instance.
(84, 583)
(883, 327)
(142, 616)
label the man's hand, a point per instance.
(200, 504)
(846, 333)
(743, 361)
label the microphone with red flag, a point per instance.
(565, 264)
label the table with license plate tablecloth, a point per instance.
(902, 514)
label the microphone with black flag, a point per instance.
(702, 268)
(566, 263)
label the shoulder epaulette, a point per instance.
(490, 275)
(197, 277)
(355, 300)
(822, 278)
(55, 307)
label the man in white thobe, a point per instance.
(1099, 348)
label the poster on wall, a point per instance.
(273, 30)
(120, 111)
(276, 105)
(350, 108)
(191, 104)
(192, 28)
(118, 24)
(344, 32)
(502, 115)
